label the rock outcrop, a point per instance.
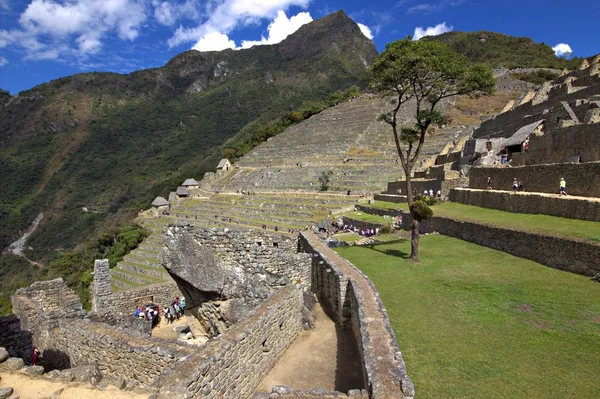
(218, 292)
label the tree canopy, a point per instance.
(423, 72)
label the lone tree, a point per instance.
(425, 73)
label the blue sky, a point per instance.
(42, 40)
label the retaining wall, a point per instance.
(355, 303)
(233, 364)
(561, 253)
(582, 179)
(524, 202)
(558, 144)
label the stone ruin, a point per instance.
(248, 291)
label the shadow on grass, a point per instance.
(390, 252)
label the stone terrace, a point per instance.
(346, 140)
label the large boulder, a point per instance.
(218, 293)
(88, 374)
(34, 370)
(12, 364)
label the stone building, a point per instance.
(191, 184)
(182, 192)
(224, 165)
(160, 203)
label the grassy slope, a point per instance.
(544, 224)
(473, 322)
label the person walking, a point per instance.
(490, 183)
(515, 185)
(562, 189)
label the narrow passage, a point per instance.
(324, 357)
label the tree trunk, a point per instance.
(416, 219)
(414, 237)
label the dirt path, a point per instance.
(26, 387)
(165, 331)
(324, 357)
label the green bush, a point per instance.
(420, 207)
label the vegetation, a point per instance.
(536, 77)
(496, 49)
(423, 72)
(111, 143)
(478, 323)
(324, 180)
(75, 267)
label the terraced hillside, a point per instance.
(282, 177)
(346, 140)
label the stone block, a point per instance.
(34, 370)
(12, 364)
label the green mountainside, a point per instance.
(497, 49)
(111, 142)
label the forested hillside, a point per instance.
(497, 49)
(112, 142)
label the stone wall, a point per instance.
(355, 303)
(568, 207)
(17, 342)
(559, 144)
(123, 354)
(233, 364)
(582, 179)
(557, 252)
(257, 249)
(115, 306)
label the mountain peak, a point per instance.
(335, 30)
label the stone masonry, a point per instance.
(353, 299)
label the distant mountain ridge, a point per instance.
(497, 49)
(109, 142)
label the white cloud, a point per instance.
(227, 15)
(214, 41)
(562, 50)
(3, 61)
(164, 13)
(75, 27)
(280, 28)
(366, 31)
(431, 30)
(4, 5)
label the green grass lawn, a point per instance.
(544, 224)
(368, 217)
(582, 229)
(473, 322)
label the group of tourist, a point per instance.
(175, 310)
(429, 193)
(151, 312)
(363, 232)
